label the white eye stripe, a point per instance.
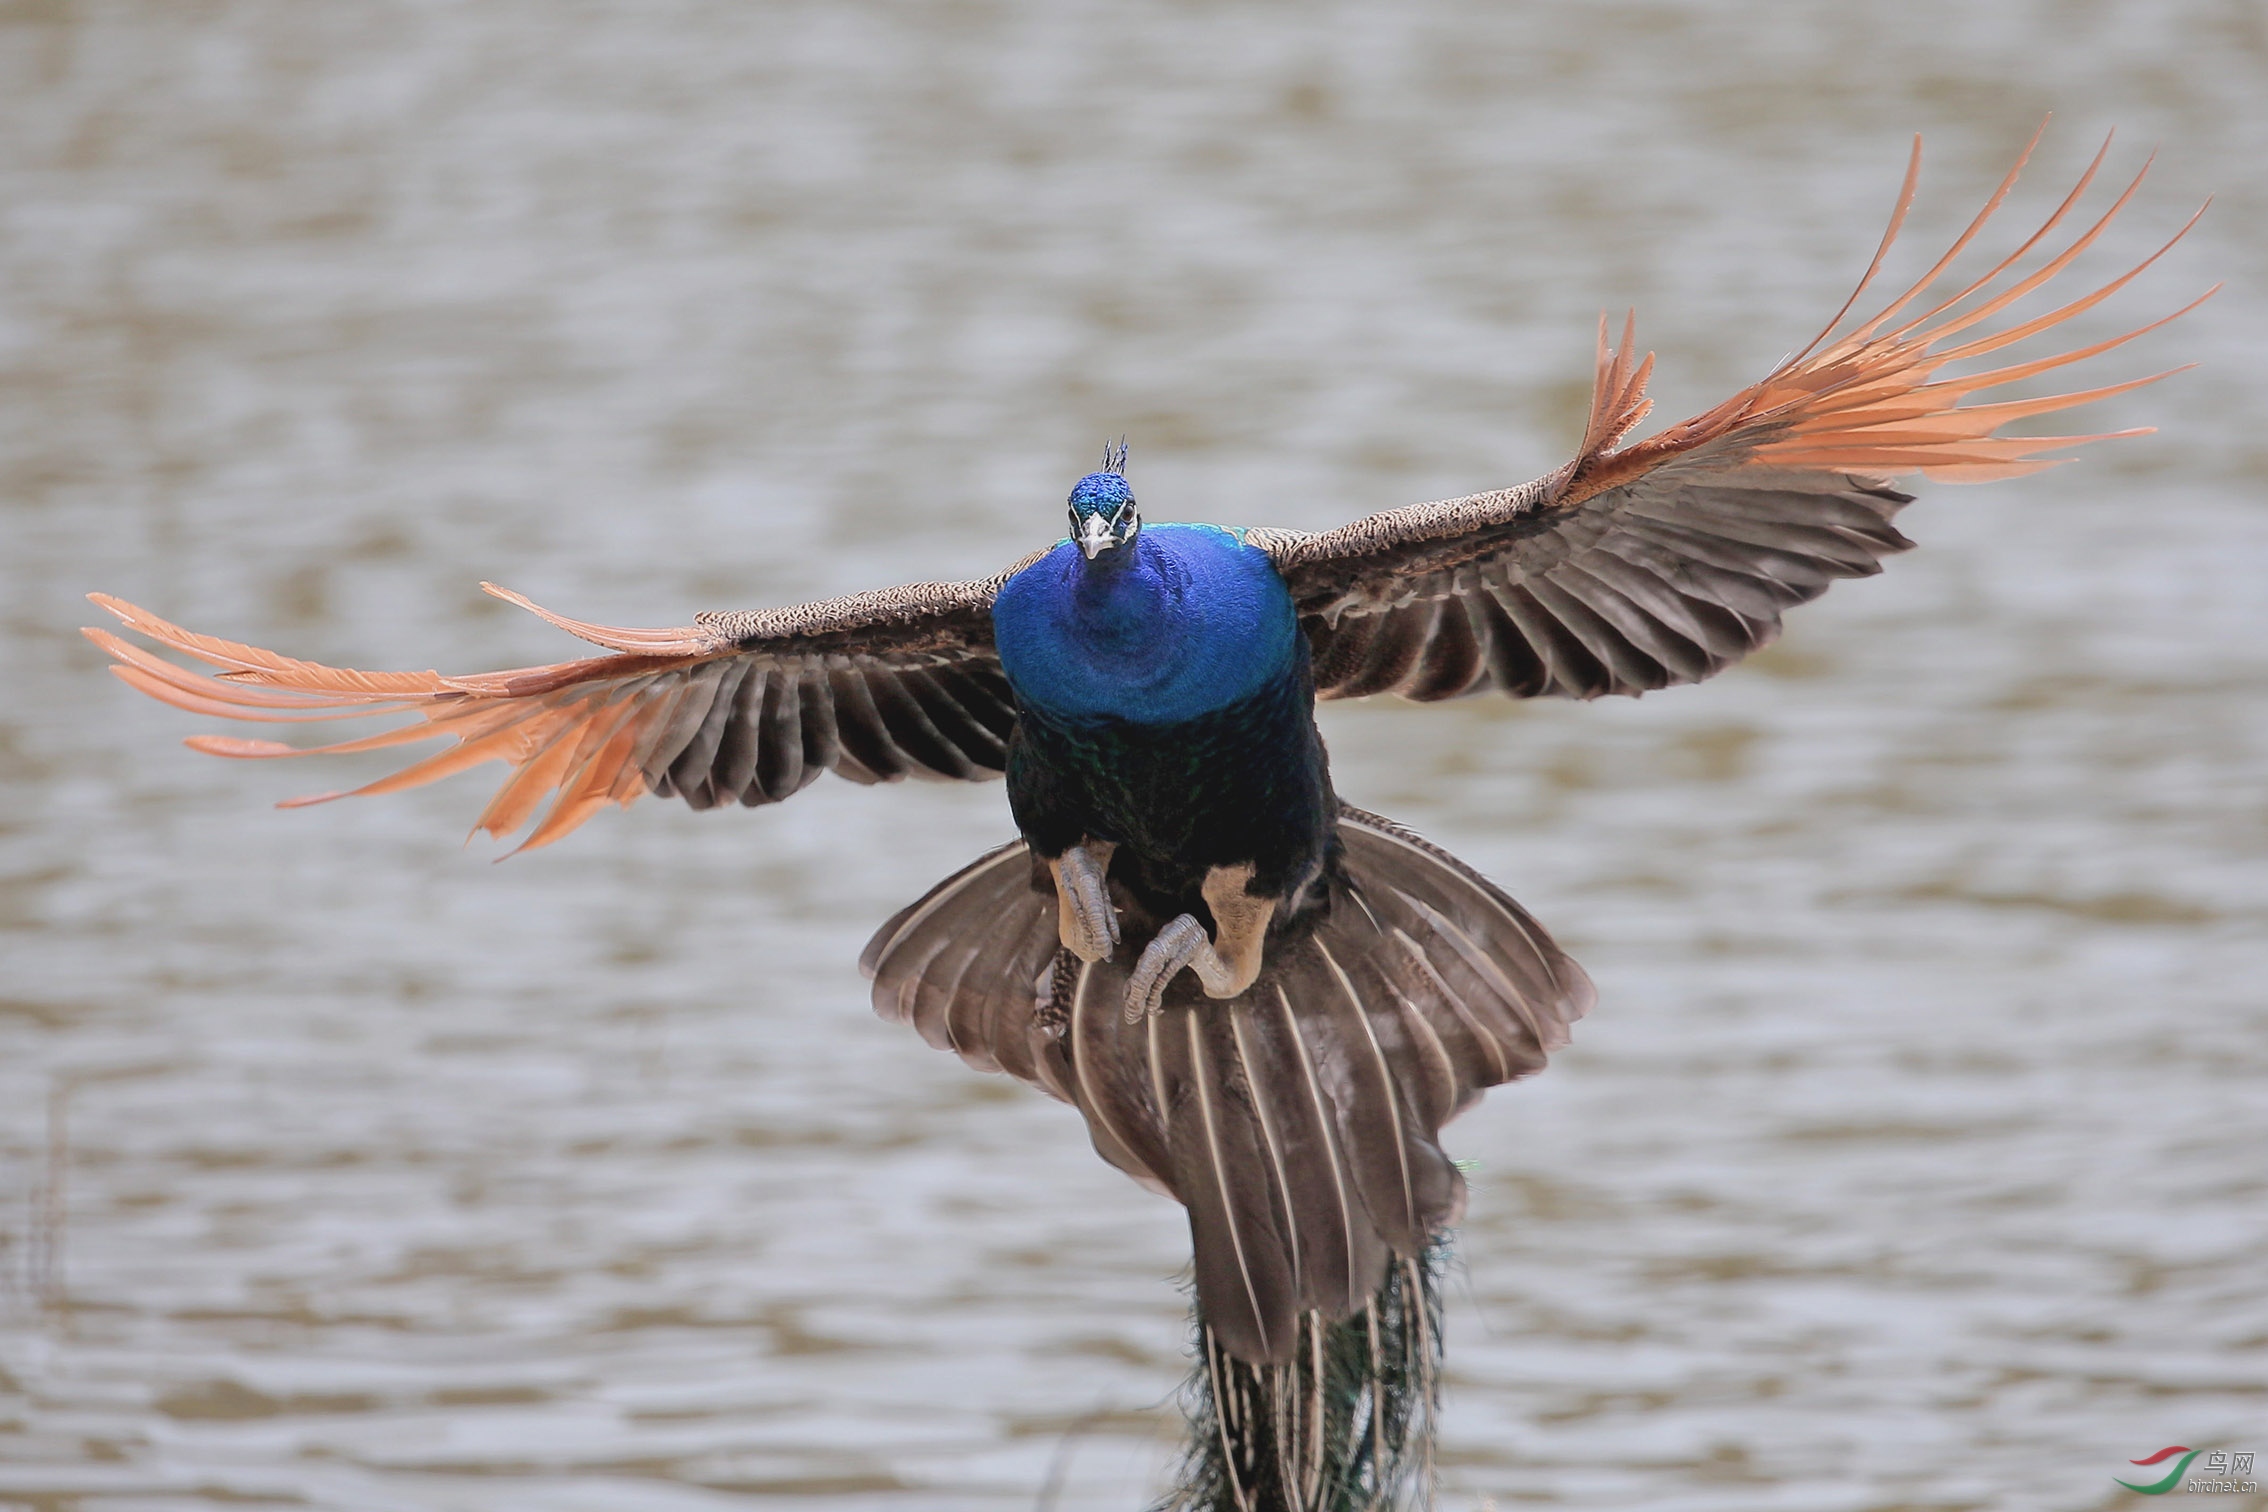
(1127, 514)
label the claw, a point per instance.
(1226, 970)
(1085, 921)
(1181, 943)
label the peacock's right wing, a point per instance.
(735, 708)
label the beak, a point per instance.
(1096, 536)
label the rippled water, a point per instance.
(1913, 1159)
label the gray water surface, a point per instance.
(1915, 1158)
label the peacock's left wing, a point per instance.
(1666, 561)
(735, 708)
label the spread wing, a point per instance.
(748, 707)
(1669, 560)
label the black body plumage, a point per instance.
(1245, 784)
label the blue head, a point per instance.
(1103, 516)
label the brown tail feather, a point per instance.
(1298, 1122)
(970, 963)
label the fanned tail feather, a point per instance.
(1298, 1123)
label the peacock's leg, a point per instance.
(1085, 920)
(1226, 964)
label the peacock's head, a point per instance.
(1103, 516)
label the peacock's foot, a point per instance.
(1225, 967)
(1085, 919)
(1181, 943)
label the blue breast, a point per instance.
(1190, 621)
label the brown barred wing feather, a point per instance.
(735, 708)
(1634, 568)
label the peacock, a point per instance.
(1265, 1002)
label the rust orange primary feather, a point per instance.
(566, 730)
(1870, 402)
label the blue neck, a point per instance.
(1123, 610)
(1184, 620)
